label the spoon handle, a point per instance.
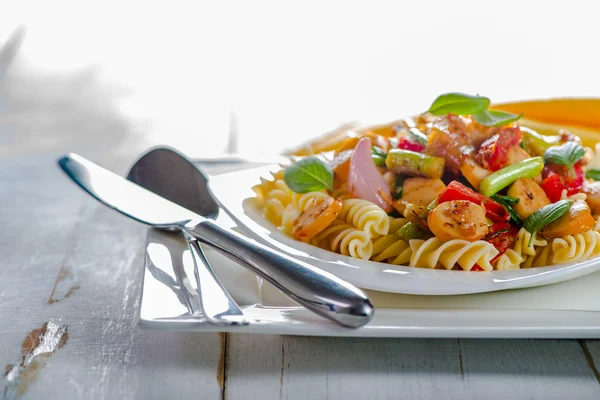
(311, 287)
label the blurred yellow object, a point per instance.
(579, 116)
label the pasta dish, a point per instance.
(459, 187)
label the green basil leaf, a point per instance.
(308, 175)
(507, 202)
(545, 216)
(458, 103)
(411, 231)
(379, 156)
(397, 193)
(419, 136)
(495, 118)
(593, 174)
(566, 154)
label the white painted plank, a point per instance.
(343, 368)
(59, 234)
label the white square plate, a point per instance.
(567, 310)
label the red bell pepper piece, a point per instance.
(457, 191)
(406, 143)
(558, 178)
(553, 187)
(502, 235)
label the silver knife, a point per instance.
(311, 287)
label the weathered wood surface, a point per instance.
(70, 284)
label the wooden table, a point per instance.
(70, 281)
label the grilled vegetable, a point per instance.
(531, 197)
(458, 191)
(340, 165)
(493, 153)
(316, 218)
(417, 214)
(412, 163)
(592, 191)
(411, 231)
(500, 179)
(545, 216)
(515, 155)
(537, 143)
(559, 177)
(365, 180)
(502, 235)
(577, 219)
(473, 172)
(421, 191)
(458, 219)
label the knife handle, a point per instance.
(311, 287)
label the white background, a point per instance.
(291, 71)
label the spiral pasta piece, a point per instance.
(511, 259)
(345, 239)
(366, 216)
(433, 252)
(571, 248)
(309, 199)
(274, 196)
(392, 249)
(289, 215)
(522, 245)
(575, 247)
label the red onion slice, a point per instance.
(364, 179)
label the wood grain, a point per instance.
(343, 368)
(60, 238)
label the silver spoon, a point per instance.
(215, 302)
(317, 290)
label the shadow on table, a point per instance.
(52, 112)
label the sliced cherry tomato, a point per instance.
(559, 177)
(574, 184)
(406, 143)
(493, 153)
(476, 267)
(553, 187)
(502, 235)
(457, 191)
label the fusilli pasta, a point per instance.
(365, 216)
(509, 260)
(345, 239)
(392, 249)
(433, 252)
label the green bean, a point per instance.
(411, 231)
(500, 179)
(412, 163)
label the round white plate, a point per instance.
(233, 191)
